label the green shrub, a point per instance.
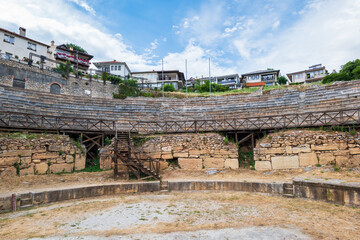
(169, 88)
(128, 88)
(226, 141)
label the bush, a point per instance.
(169, 88)
(333, 77)
(129, 88)
(350, 71)
(206, 87)
(282, 80)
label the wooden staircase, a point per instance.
(129, 158)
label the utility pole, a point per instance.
(162, 75)
(77, 64)
(186, 78)
(209, 78)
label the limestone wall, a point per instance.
(29, 154)
(191, 151)
(301, 148)
(41, 80)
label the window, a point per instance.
(55, 88)
(115, 68)
(112, 68)
(253, 77)
(8, 56)
(9, 39)
(257, 76)
(300, 75)
(31, 46)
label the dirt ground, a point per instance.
(193, 215)
(17, 184)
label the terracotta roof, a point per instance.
(255, 84)
(18, 35)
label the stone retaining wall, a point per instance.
(335, 191)
(191, 151)
(29, 154)
(301, 148)
(41, 80)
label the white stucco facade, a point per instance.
(17, 46)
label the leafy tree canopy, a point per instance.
(282, 80)
(206, 87)
(350, 71)
(75, 47)
(128, 88)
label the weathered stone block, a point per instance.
(41, 168)
(166, 156)
(69, 159)
(296, 150)
(27, 171)
(105, 162)
(190, 163)
(354, 151)
(8, 172)
(324, 147)
(262, 165)
(232, 163)
(274, 151)
(342, 161)
(45, 155)
(163, 165)
(56, 148)
(326, 158)
(288, 150)
(9, 161)
(306, 159)
(181, 155)
(16, 153)
(285, 162)
(63, 167)
(341, 153)
(195, 152)
(80, 160)
(155, 155)
(218, 163)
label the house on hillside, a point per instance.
(155, 79)
(261, 78)
(231, 80)
(315, 73)
(78, 59)
(120, 69)
(19, 46)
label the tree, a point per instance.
(130, 88)
(75, 47)
(349, 71)
(282, 80)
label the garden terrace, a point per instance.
(336, 97)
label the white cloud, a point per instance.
(45, 22)
(84, 5)
(197, 60)
(326, 32)
(276, 24)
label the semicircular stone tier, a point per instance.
(345, 95)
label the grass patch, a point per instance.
(140, 140)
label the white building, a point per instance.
(231, 80)
(17, 45)
(315, 73)
(120, 69)
(261, 78)
(156, 79)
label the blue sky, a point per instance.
(239, 35)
